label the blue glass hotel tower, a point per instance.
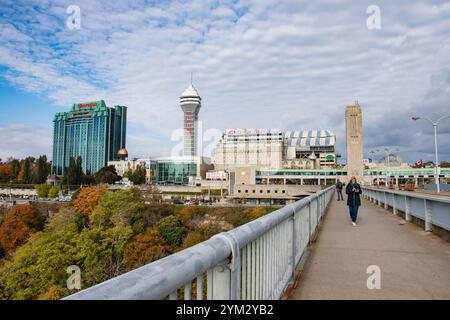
(90, 130)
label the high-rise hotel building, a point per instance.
(90, 130)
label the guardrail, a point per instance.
(432, 210)
(254, 261)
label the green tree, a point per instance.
(119, 208)
(42, 170)
(42, 190)
(74, 173)
(53, 192)
(138, 175)
(15, 166)
(172, 230)
(107, 174)
(26, 167)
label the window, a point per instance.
(239, 191)
(284, 191)
(260, 191)
(268, 191)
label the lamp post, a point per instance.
(435, 124)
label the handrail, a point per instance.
(411, 194)
(433, 210)
(254, 261)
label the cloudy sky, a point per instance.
(256, 64)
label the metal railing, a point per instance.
(254, 261)
(433, 210)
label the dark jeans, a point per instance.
(339, 192)
(353, 212)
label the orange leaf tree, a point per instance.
(19, 223)
(87, 199)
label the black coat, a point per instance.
(353, 199)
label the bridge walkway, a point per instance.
(414, 264)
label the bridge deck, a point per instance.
(414, 264)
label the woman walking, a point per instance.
(353, 190)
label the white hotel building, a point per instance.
(275, 149)
(249, 147)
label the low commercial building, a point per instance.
(125, 166)
(246, 186)
(182, 169)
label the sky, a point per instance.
(256, 64)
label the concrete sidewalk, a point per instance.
(414, 264)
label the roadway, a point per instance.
(414, 264)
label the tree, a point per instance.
(42, 190)
(172, 230)
(19, 223)
(74, 173)
(87, 199)
(42, 170)
(119, 208)
(5, 172)
(146, 248)
(15, 167)
(107, 174)
(26, 167)
(37, 269)
(53, 192)
(138, 175)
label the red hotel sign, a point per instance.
(86, 105)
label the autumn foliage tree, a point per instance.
(146, 248)
(19, 223)
(87, 199)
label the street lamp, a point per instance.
(435, 124)
(388, 176)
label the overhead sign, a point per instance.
(87, 105)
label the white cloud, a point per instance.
(23, 140)
(256, 63)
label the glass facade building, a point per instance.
(176, 173)
(90, 130)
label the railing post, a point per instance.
(221, 275)
(394, 204)
(428, 215)
(234, 268)
(309, 223)
(385, 200)
(294, 244)
(407, 208)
